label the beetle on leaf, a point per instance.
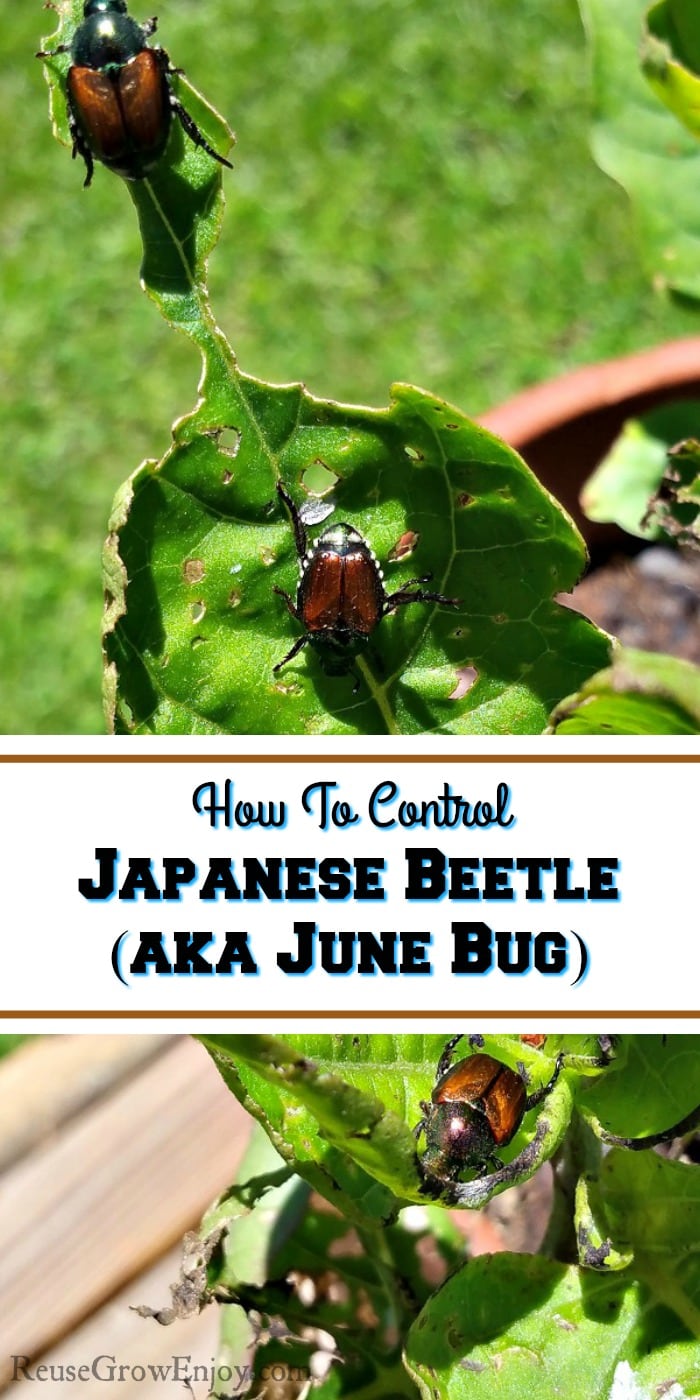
(476, 1107)
(120, 100)
(341, 597)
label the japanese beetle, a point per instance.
(120, 101)
(341, 596)
(476, 1106)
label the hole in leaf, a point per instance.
(227, 439)
(234, 597)
(288, 688)
(467, 676)
(267, 556)
(404, 546)
(319, 479)
(500, 618)
(227, 477)
(193, 570)
(197, 610)
(452, 426)
(197, 641)
(464, 499)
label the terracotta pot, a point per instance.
(564, 427)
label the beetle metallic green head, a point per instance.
(103, 7)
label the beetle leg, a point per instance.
(289, 601)
(446, 1057)
(194, 132)
(301, 642)
(51, 53)
(300, 538)
(421, 1124)
(80, 148)
(411, 582)
(402, 596)
(492, 1164)
(149, 26)
(532, 1100)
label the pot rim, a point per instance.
(548, 405)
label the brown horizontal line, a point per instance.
(447, 757)
(358, 1014)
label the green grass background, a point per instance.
(413, 199)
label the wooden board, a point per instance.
(109, 1192)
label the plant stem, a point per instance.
(580, 1153)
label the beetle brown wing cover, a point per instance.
(94, 99)
(505, 1105)
(362, 599)
(144, 102)
(468, 1081)
(321, 591)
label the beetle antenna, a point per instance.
(300, 539)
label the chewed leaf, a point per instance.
(642, 692)
(629, 476)
(199, 545)
(675, 505)
(511, 1325)
(203, 540)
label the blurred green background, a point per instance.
(413, 199)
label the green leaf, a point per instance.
(337, 1137)
(194, 634)
(682, 24)
(259, 1213)
(622, 484)
(639, 143)
(671, 59)
(596, 1248)
(341, 1110)
(640, 693)
(655, 1084)
(655, 1205)
(510, 1326)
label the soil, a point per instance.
(650, 601)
